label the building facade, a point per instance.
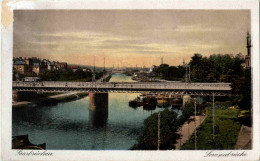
(35, 65)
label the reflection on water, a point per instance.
(84, 124)
(98, 109)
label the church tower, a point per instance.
(248, 57)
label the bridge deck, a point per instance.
(191, 88)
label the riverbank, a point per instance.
(51, 100)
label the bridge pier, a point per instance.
(186, 98)
(98, 109)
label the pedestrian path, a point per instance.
(63, 95)
(187, 130)
(244, 139)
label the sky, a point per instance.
(128, 37)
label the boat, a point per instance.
(149, 103)
(176, 102)
(145, 101)
(162, 103)
(137, 102)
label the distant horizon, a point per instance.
(133, 66)
(129, 37)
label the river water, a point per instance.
(74, 126)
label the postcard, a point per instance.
(130, 80)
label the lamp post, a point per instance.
(159, 116)
(213, 116)
(104, 71)
(195, 126)
(187, 75)
(93, 76)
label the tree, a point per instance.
(195, 60)
(168, 128)
(245, 102)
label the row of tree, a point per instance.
(215, 68)
(170, 72)
(61, 75)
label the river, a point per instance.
(74, 126)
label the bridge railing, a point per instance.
(127, 85)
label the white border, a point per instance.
(6, 78)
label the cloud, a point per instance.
(145, 35)
(201, 28)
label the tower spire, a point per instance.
(248, 38)
(94, 72)
(94, 63)
(104, 64)
(248, 46)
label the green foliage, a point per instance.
(219, 104)
(164, 71)
(187, 111)
(245, 101)
(227, 129)
(216, 68)
(169, 124)
(224, 68)
(68, 75)
(19, 76)
(168, 128)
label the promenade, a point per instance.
(186, 130)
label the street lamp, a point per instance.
(213, 116)
(159, 116)
(195, 125)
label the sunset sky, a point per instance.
(128, 37)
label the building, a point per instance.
(50, 65)
(248, 56)
(29, 63)
(36, 68)
(61, 65)
(55, 65)
(152, 68)
(39, 66)
(74, 68)
(20, 66)
(86, 70)
(36, 65)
